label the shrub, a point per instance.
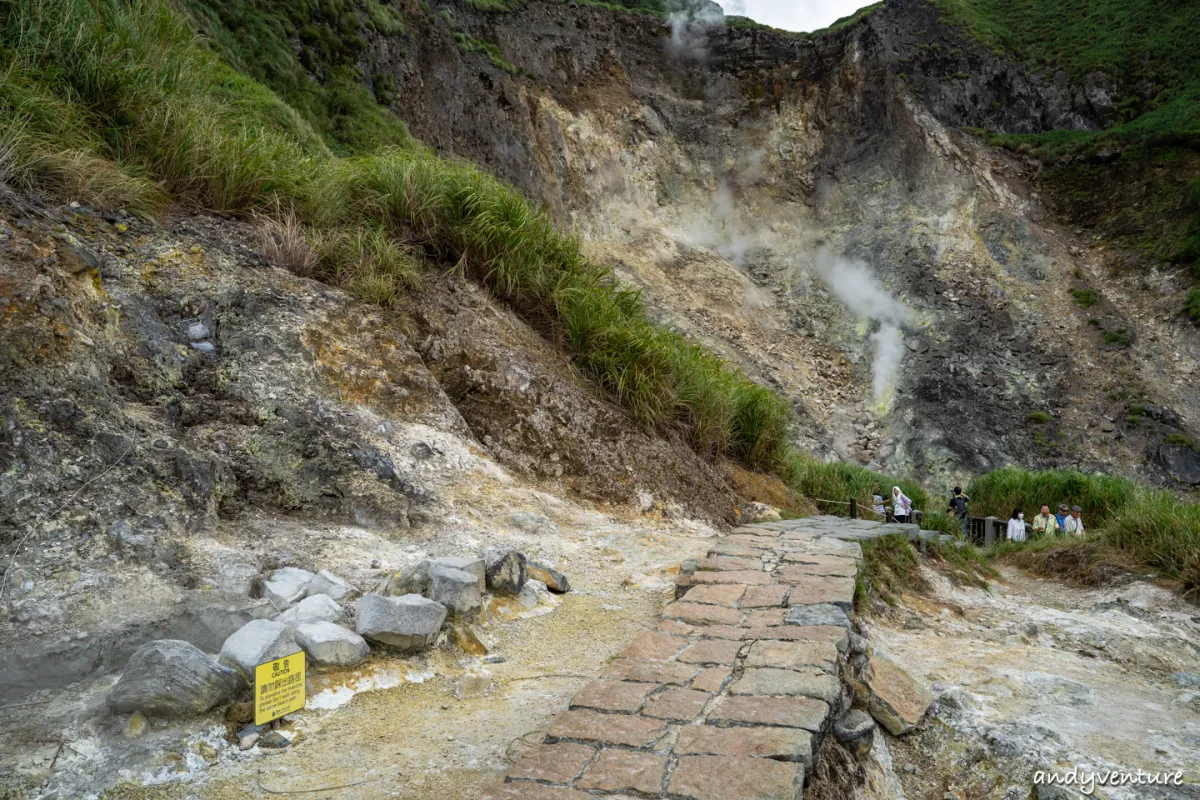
(1191, 306)
(1039, 417)
(1085, 298)
(839, 481)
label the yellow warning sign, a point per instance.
(278, 688)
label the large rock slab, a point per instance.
(897, 701)
(818, 614)
(325, 582)
(506, 570)
(458, 590)
(172, 678)
(406, 623)
(314, 608)
(257, 642)
(286, 586)
(328, 644)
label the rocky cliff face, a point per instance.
(810, 208)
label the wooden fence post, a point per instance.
(989, 531)
(853, 508)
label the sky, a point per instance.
(793, 15)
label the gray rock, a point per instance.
(325, 582)
(528, 597)
(858, 644)
(233, 570)
(852, 725)
(555, 581)
(130, 543)
(506, 570)
(314, 608)
(204, 347)
(1029, 629)
(818, 614)
(74, 255)
(328, 644)
(1186, 680)
(528, 521)
(406, 623)
(172, 678)
(248, 736)
(286, 586)
(412, 580)
(257, 642)
(274, 740)
(470, 564)
(457, 590)
(197, 331)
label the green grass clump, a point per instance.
(890, 567)
(839, 481)
(467, 44)
(1039, 417)
(1191, 306)
(998, 492)
(1085, 298)
(1179, 439)
(119, 104)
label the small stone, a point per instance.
(137, 726)
(528, 521)
(1029, 629)
(471, 564)
(314, 608)
(760, 512)
(257, 642)
(407, 623)
(858, 644)
(197, 331)
(527, 598)
(328, 644)
(74, 255)
(495, 658)
(506, 570)
(470, 639)
(853, 725)
(555, 581)
(172, 678)
(325, 582)
(910, 769)
(274, 740)
(249, 736)
(286, 586)
(455, 589)
(204, 347)
(411, 580)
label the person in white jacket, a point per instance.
(1016, 526)
(901, 505)
(1074, 524)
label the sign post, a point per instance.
(278, 688)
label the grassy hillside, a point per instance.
(118, 104)
(1149, 48)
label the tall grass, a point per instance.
(118, 103)
(839, 481)
(1151, 528)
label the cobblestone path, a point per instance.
(729, 698)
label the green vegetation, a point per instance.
(847, 21)
(1127, 522)
(839, 481)
(117, 103)
(1191, 306)
(1179, 439)
(1039, 417)
(466, 44)
(891, 567)
(1085, 298)
(320, 78)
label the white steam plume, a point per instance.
(689, 31)
(856, 286)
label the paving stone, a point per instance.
(787, 655)
(711, 651)
(764, 617)
(675, 627)
(631, 669)
(838, 591)
(789, 712)
(527, 790)
(702, 614)
(624, 770)
(764, 596)
(728, 563)
(744, 576)
(717, 594)
(613, 695)
(759, 543)
(734, 551)
(787, 744)
(828, 566)
(677, 704)
(711, 679)
(735, 778)
(556, 763)
(818, 614)
(716, 632)
(655, 646)
(802, 633)
(593, 726)
(804, 681)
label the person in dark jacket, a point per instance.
(958, 507)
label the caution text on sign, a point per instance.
(278, 688)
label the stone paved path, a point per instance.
(729, 698)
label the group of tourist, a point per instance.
(1065, 522)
